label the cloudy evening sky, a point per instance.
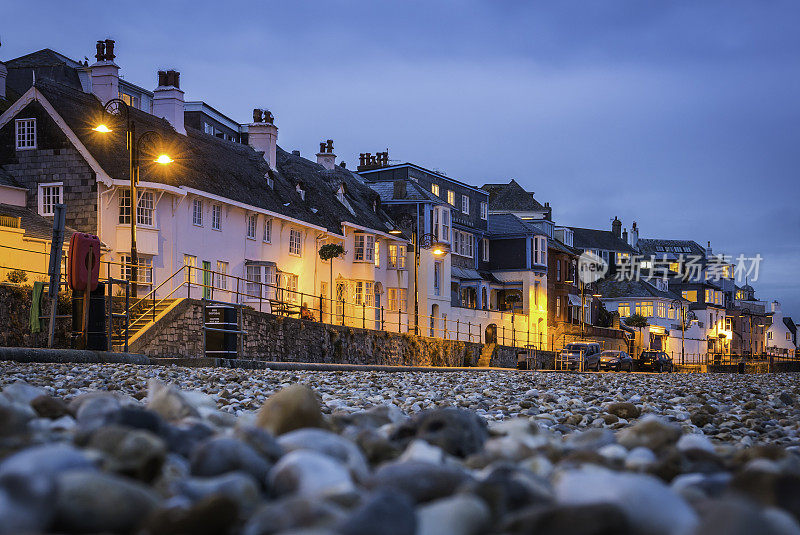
(683, 116)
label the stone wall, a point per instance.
(15, 306)
(273, 338)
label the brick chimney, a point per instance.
(325, 157)
(634, 241)
(104, 72)
(262, 135)
(168, 99)
(616, 227)
(709, 253)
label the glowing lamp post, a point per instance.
(117, 108)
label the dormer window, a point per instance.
(340, 194)
(270, 182)
(301, 191)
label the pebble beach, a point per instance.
(98, 448)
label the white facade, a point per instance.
(779, 339)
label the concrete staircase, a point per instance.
(141, 319)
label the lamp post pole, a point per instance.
(415, 242)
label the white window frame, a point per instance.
(221, 282)
(364, 247)
(216, 217)
(397, 259)
(197, 212)
(252, 222)
(485, 252)
(252, 274)
(144, 276)
(465, 204)
(267, 238)
(377, 255)
(25, 134)
(484, 210)
(437, 278)
(48, 208)
(435, 188)
(146, 208)
(463, 243)
(295, 242)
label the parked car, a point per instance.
(590, 351)
(654, 361)
(616, 360)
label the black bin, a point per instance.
(97, 337)
(221, 317)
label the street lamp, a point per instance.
(117, 107)
(683, 322)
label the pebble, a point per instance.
(462, 514)
(293, 407)
(220, 450)
(92, 502)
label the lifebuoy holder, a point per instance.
(83, 268)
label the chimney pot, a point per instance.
(262, 135)
(109, 56)
(296, 152)
(101, 51)
(257, 115)
(162, 78)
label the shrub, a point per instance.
(17, 276)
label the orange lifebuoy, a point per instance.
(84, 262)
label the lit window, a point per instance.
(624, 310)
(645, 308)
(689, 295)
(435, 189)
(251, 226)
(287, 287)
(662, 310)
(397, 257)
(484, 210)
(267, 230)
(295, 242)
(144, 274)
(190, 273)
(465, 204)
(220, 277)
(216, 217)
(49, 196)
(451, 197)
(558, 307)
(197, 212)
(377, 253)
(26, 134)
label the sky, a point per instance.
(683, 116)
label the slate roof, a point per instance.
(553, 243)
(586, 238)
(511, 197)
(507, 225)
(224, 168)
(7, 180)
(659, 247)
(47, 64)
(614, 289)
(34, 225)
(789, 322)
(414, 192)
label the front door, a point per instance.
(207, 280)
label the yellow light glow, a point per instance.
(395, 231)
(164, 159)
(438, 252)
(103, 129)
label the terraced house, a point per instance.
(225, 220)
